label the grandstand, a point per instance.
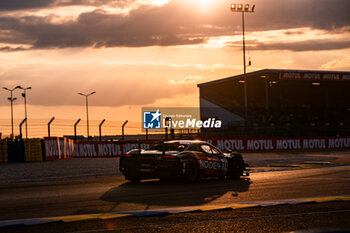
(280, 103)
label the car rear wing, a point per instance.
(139, 144)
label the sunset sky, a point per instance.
(137, 53)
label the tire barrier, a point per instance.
(19, 151)
(16, 151)
(3, 152)
(33, 150)
(43, 152)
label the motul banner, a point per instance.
(62, 148)
(103, 149)
(58, 148)
(281, 144)
(315, 76)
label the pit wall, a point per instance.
(50, 148)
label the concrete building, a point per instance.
(293, 101)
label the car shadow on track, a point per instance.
(157, 193)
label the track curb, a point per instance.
(167, 211)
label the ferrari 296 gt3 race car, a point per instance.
(186, 159)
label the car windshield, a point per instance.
(169, 147)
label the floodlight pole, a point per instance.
(244, 9)
(267, 96)
(87, 110)
(245, 71)
(11, 99)
(267, 82)
(24, 94)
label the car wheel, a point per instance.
(190, 169)
(236, 168)
(132, 176)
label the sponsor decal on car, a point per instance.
(210, 165)
(214, 165)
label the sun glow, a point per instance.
(202, 5)
(154, 2)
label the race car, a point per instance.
(186, 159)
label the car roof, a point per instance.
(186, 142)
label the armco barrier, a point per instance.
(3, 152)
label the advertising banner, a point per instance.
(281, 144)
(62, 148)
(58, 148)
(314, 76)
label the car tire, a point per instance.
(190, 169)
(132, 176)
(236, 168)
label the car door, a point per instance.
(214, 163)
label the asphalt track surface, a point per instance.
(334, 215)
(112, 194)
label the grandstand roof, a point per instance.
(314, 75)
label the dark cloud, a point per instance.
(172, 24)
(11, 49)
(288, 33)
(24, 4)
(112, 3)
(320, 14)
(308, 45)
(97, 29)
(10, 5)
